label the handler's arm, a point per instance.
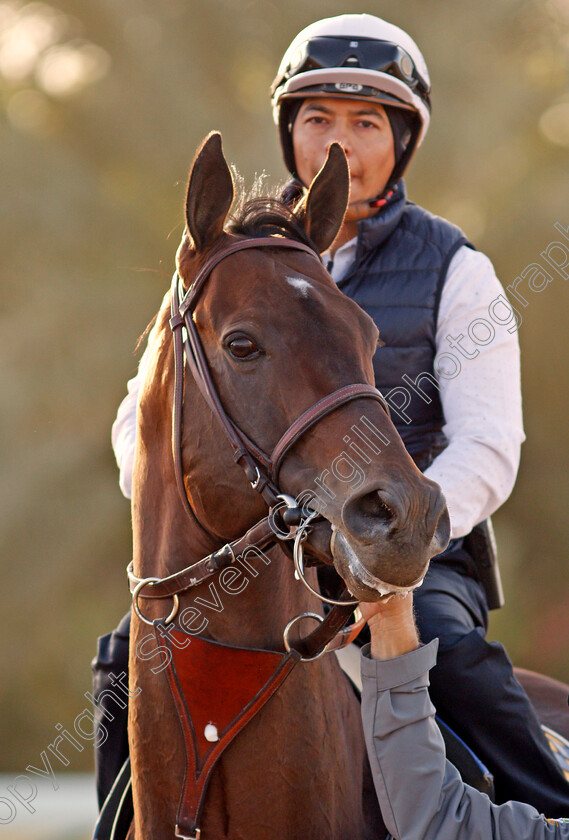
(421, 795)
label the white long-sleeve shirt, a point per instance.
(123, 432)
(481, 404)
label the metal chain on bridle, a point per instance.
(261, 468)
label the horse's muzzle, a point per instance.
(386, 539)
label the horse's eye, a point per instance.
(242, 347)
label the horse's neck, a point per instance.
(256, 615)
(164, 535)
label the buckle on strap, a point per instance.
(195, 836)
(256, 482)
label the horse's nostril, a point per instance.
(370, 516)
(372, 505)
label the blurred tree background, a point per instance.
(102, 107)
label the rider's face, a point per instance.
(362, 128)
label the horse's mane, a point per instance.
(265, 215)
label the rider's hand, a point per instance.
(392, 626)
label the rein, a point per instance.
(263, 671)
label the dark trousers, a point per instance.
(110, 662)
(473, 688)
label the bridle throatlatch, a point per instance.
(198, 672)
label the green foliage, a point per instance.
(97, 131)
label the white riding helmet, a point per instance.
(355, 56)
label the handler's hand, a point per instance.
(392, 626)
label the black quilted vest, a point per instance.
(402, 258)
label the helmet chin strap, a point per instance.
(366, 207)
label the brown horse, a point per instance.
(279, 338)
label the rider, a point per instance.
(449, 369)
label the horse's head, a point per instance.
(278, 337)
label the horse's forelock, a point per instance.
(256, 217)
(267, 216)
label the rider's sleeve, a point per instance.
(477, 366)
(421, 794)
(123, 433)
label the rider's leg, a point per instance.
(475, 691)
(110, 672)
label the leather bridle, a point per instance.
(261, 468)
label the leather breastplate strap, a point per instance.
(217, 690)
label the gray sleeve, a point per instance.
(421, 795)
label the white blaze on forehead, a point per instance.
(302, 286)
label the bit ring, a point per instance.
(135, 593)
(288, 628)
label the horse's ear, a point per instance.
(210, 193)
(322, 211)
